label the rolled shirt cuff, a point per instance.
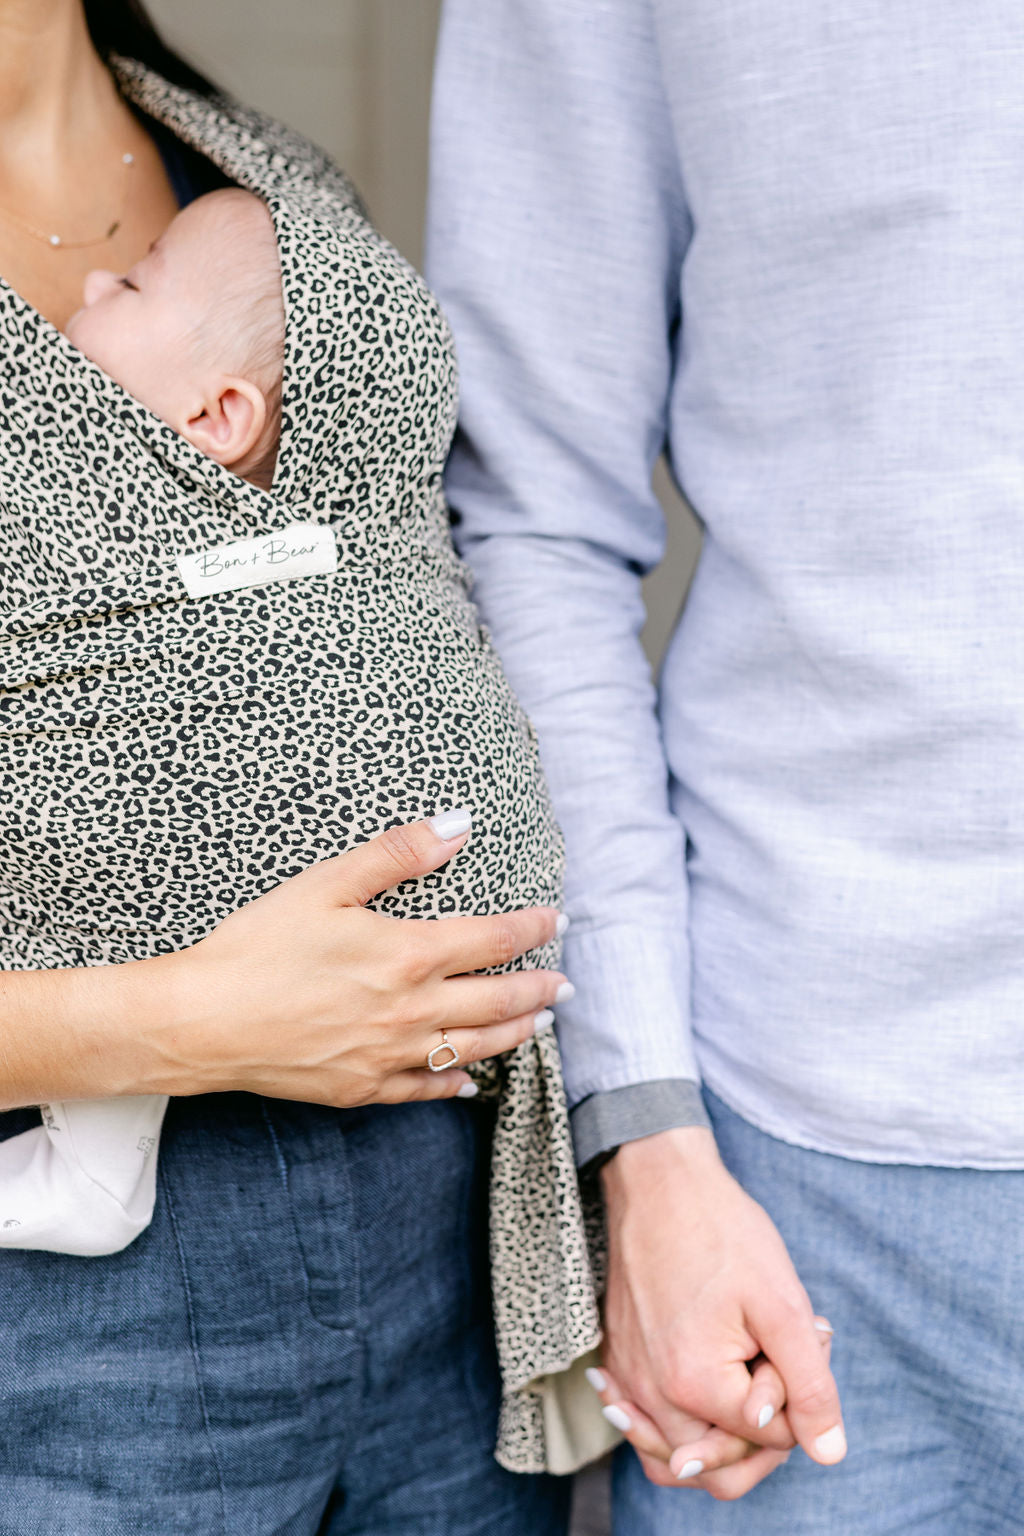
(602, 1122)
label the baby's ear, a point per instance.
(230, 421)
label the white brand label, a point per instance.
(301, 549)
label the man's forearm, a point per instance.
(565, 619)
(555, 243)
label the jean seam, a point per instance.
(360, 1323)
(193, 1335)
(471, 1137)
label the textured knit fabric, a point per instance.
(166, 760)
(783, 241)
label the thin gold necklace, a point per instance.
(55, 240)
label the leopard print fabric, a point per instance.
(166, 760)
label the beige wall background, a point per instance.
(355, 76)
(352, 74)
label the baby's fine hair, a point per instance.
(246, 332)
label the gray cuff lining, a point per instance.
(602, 1122)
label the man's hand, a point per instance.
(707, 1325)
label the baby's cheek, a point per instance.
(94, 331)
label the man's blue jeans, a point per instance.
(300, 1343)
(921, 1272)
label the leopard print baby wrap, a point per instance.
(167, 759)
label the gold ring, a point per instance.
(445, 1045)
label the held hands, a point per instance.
(713, 1353)
(306, 995)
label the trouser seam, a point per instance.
(477, 1143)
(193, 1336)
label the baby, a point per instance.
(195, 331)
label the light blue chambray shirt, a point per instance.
(785, 241)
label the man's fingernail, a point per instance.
(561, 925)
(565, 992)
(450, 824)
(619, 1418)
(765, 1416)
(598, 1380)
(831, 1446)
(467, 1091)
(822, 1326)
(690, 1469)
(543, 1020)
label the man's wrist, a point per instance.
(642, 1165)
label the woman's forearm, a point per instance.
(83, 1033)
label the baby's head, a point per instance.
(196, 330)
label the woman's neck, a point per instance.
(64, 133)
(56, 95)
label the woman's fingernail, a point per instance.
(543, 1020)
(561, 925)
(619, 1418)
(565, 992)
(690, 1469)
(598, 1380)
(831, 1446)
(467, 1091)
(765, 1416)
(823, 1326)
(450, 824)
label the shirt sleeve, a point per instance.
(556, 234)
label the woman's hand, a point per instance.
(306, 995)
(726, 1466)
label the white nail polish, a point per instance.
(562, 924)
(618, 1418)
(598, 1380)
(467, 1091)
(450, 824)
(565, 992)
(831, 1446)
(766, 1415)
(543, 1020)
(822, 1326)
(690, 1469)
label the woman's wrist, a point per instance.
(174, 1000)
(89, 1032)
